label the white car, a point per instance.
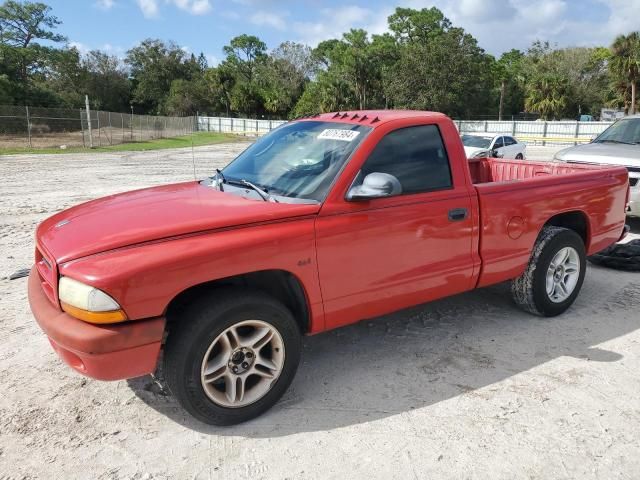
(478, 145)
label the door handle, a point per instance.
(458, 214)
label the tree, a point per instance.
(584, 69)
(66, 76)
(625, 62)
(107, 82)
(281, 86)
(219, 83)
(417, 26)
(187, 97)
(508, 71)
(449, 73)
(349, 73)
(359, 64)
(154, 65)
(328, 93)
(22, 24)
(244, 54)
(7, 93)
(387, 53)
(283, 75)
(590, 78)
(548, 95)
(202, 62)
(299, 56)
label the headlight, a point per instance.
(481, 154)
(88, 303)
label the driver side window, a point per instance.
(415, 156)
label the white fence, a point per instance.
(538, 132)
(239, 126)
(531, 132)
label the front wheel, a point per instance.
(232, 356)
(519, 157)
(554, 275)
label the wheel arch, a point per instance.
(280, 284)
(575, 220)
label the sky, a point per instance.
(207, 25)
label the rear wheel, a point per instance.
(554, 274)
(232, 356)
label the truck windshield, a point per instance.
(476, 141)
(297, 160)
(623, 131)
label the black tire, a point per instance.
(199, 325)
(519, 157)
(529, 289)
(621, 256)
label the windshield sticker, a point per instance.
(336, 134)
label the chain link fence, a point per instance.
(35, 127)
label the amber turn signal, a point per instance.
(113, 316)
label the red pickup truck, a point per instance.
(323, 222)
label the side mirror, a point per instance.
(495, 154)
(375, 185)
(592, 138)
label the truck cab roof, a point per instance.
(371, 118)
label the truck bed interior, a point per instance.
(494, 170)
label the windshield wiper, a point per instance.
(221, 180)
(615, 141)
(266, 196)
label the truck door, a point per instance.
(379, 255)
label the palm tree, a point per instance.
(547, 95)
(625, 62)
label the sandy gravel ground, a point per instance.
(467, 387)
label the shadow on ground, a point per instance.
(428, 354)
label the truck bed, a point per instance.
(490, 170)
(516, 196)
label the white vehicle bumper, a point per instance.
(633, 209)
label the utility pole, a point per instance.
(86, 104)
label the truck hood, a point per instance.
(152, 214)
(604, 153)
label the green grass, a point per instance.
(197, 139)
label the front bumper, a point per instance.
(104, 352)
(633, 208)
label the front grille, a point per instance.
(48, 275)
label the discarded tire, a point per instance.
(622, 256)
